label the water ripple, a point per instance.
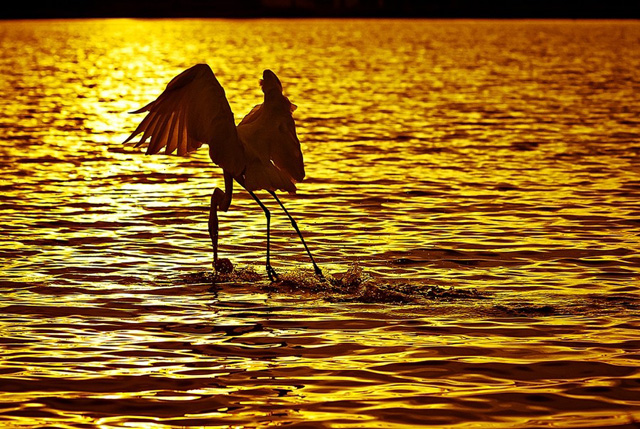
(471, 196)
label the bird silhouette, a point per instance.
(261, 153)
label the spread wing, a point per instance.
(288, 155)
(268, 133)
(193, 110)
(274, 158)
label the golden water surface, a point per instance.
(500, 159)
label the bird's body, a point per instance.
(261, 153)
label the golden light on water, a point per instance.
(482, 175)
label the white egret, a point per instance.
(261, 153)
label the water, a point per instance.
(472, 195)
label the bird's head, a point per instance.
(270, 82)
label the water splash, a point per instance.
(354, 285)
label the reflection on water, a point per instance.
(494, 164)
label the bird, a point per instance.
(261, 153)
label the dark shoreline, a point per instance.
(497, 9)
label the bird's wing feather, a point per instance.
(252, 115)
(193, 110)
(287, 155)
(270, 134)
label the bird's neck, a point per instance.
(222, 200)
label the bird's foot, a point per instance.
(271, 273)
(223, 266)
(318, 271)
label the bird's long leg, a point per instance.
(270, 271)
(295, 226)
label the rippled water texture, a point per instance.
(472, 195)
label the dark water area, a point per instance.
(471, 195)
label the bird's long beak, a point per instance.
(213, 228)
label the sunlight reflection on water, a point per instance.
(500, 157)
